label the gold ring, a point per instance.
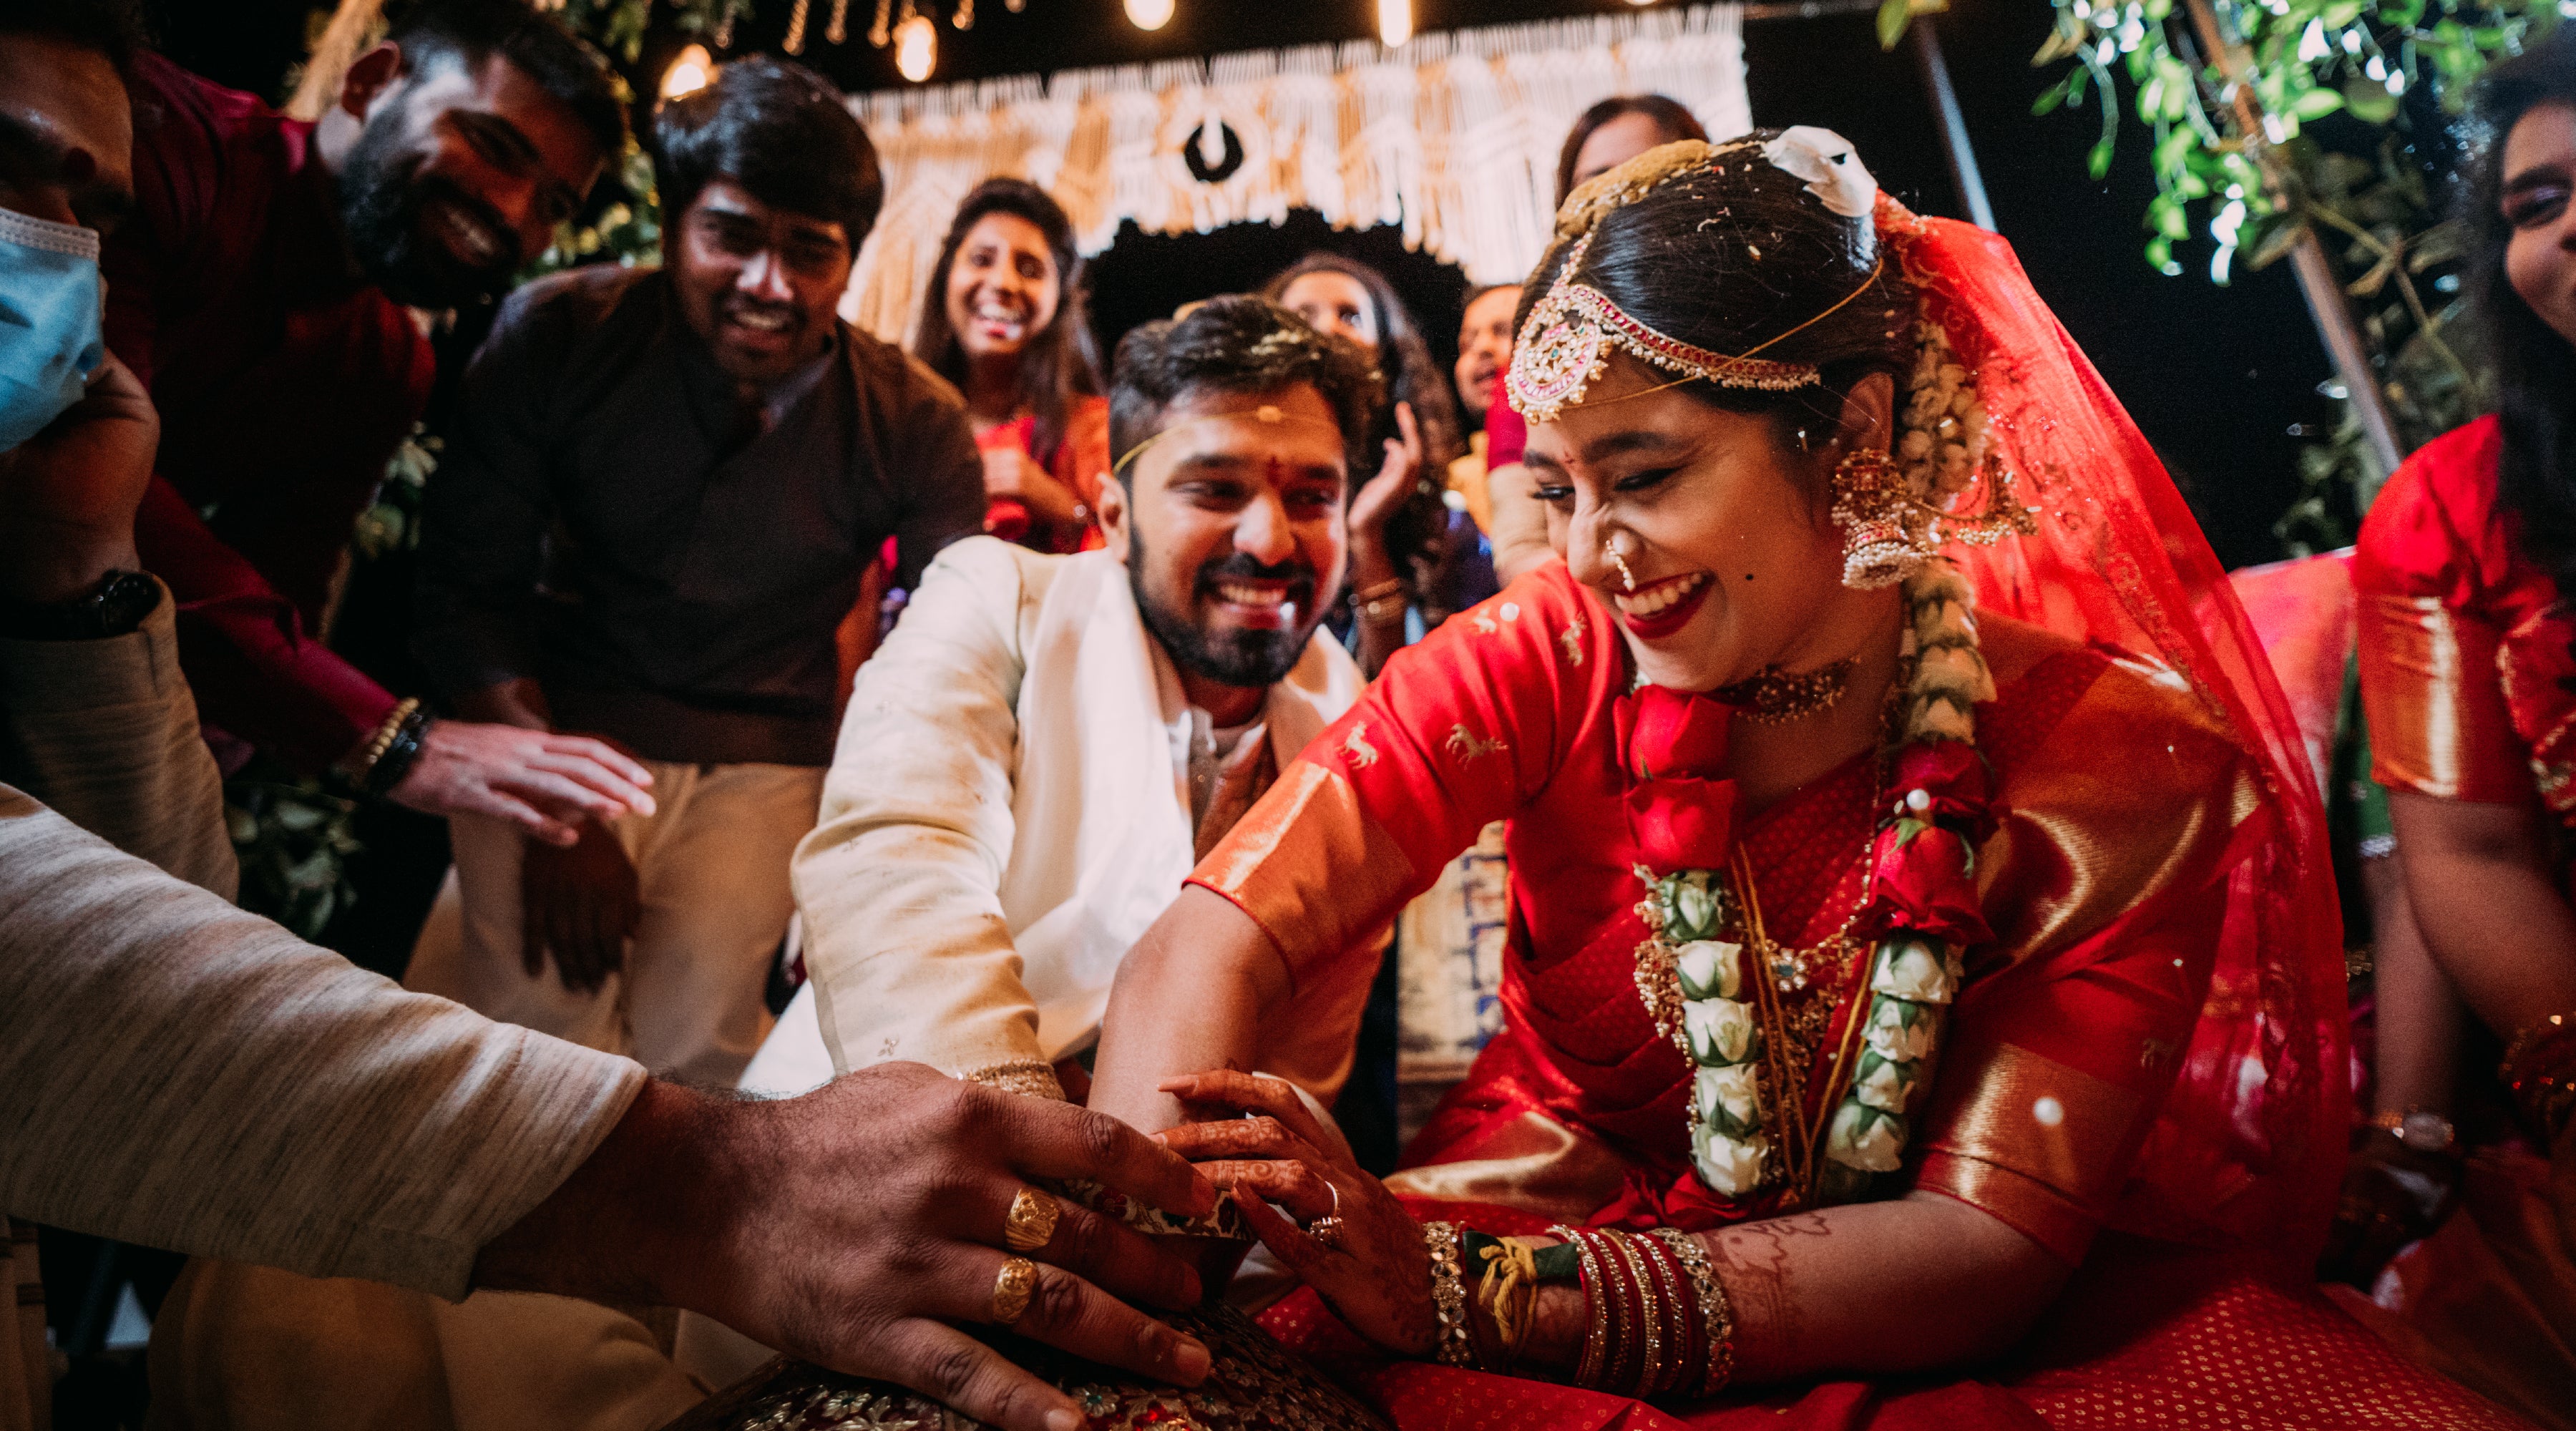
(1012, 1288)
(1030, 1224)
(1328, 1228)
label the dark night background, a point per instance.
(2215, 376)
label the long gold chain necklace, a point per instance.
(1790, 1035)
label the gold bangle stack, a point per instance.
(1381, 603)
(382, 740)
(1456, 1344)
(1590, 1367)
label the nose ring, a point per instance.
(1610, 549)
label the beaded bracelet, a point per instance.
(400, 753)
(1381, 603)
(1456, 1344)
(390, 751)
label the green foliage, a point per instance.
(2258, 194)
(293, 839)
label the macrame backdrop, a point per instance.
(1453, 136)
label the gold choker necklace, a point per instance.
(1774, 697)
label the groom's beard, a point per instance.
(1233, 656)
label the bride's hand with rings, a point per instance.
(1359, 1249)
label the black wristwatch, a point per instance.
(116, 608)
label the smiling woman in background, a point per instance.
(1004, 321)
(2468, 677)
(1408, 568)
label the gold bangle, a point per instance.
(382, 740)
(1590, 1368)
(1381, 603)
(1455, 1345)
(1715, 1314)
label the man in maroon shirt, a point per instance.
(259, 291)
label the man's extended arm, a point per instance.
(900, 881)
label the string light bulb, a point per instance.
(916, 47)
(1149, 14)
(688, 73)
(1394, 22)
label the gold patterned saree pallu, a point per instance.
(1253, 1384)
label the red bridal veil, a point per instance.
(2248, 1151)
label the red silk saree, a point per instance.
(2144, 1073)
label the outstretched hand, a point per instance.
(544, 783)
(1373, 1269)
(860, 1226)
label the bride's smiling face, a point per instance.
(1722, 525)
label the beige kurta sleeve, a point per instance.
(176, 1073)
(899, 883)
(105, 733)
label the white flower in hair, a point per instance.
(1832, 171)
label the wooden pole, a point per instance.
(1954, 129)
(2325, 295)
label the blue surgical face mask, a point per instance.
(49, 317)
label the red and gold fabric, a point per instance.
(2144, 1072)
(1080, 461)
(2465, 662)
(2086, 997)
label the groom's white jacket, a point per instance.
(1008, 810)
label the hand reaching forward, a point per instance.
(858, 1225)
(542, 782)
(1374, 1272)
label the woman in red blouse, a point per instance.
(1923, 982)
(2469, 680)
(1003, 319)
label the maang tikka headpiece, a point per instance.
(1565, 344)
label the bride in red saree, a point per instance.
(1918, 965)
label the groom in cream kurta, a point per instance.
(1010, 807)
(1024, 780)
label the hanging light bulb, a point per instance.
(688, 73)
(1149, 14)
(916, 47)
(1394, 22)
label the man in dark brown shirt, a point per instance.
(662, 492)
